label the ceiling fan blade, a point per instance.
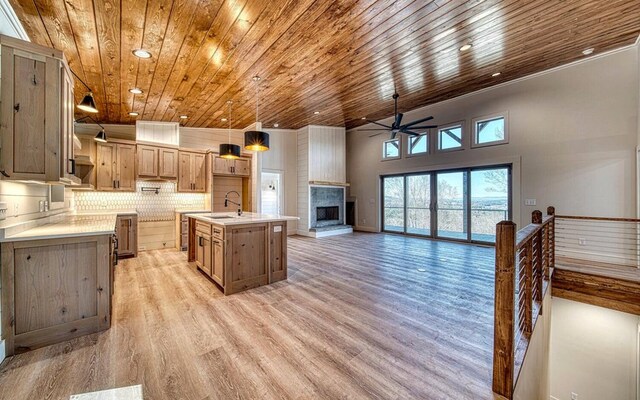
(393, 134)
(424, 127)
(371, 130)
(379, 124)
(417, 122)
(398, 121)
(376, 134)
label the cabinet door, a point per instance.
(168, 168)
(23, 144)
(199, 250)
(203, 252)
(242, 167)
(124, 233)
(200, 175)
(207, 255)
(147, 161)
(184, 172)
(106, 166)
(67, 160)
(221, 166)
(126, 177)
(217, 271)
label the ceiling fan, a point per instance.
(397, 126)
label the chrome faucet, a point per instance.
(227, 201)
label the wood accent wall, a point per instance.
(221, 185)
(613, 293)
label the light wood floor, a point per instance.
(355, 320)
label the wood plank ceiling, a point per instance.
(341, 58)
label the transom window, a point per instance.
(418, 144)
(391, 149)
(489, 131)
(450, 137)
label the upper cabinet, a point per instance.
(154, 162)
(37, 104)
(192, 175)
(237, 167)
(327, 156)
(116, 166)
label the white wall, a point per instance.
(573, 132)
(533, 380)
(283, 157)
(594, 352)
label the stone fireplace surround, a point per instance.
(326, 196)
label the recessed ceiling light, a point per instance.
(316, 112)
(588, 51)
(466, 47)
(184, 117)
(363, 118)
(135, 91)
(276, 125)
(142, 53)
(496, 74)
(223, 119)
(133, 114)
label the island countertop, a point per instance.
(230, 218)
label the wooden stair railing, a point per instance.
(524, 261)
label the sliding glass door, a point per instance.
(419, 204)
(393, 200)
(452, 205)
(464, 204)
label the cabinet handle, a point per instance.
(118, 183)
(17, 107)
(73, 166)
(114, 184)
(4, 173)
(200, 241)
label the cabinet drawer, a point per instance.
(217, 232)
(203, 227)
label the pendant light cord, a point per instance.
(229, 130)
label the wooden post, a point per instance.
(536, 217)
(504, 319)
(552, 237)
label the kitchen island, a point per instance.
(239, 252)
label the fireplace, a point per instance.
(328, 213)
(326, 206)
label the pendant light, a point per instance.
(228, 150)
(87, 104)
(102, 135)
(256, 140)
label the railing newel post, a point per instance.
(504, 312)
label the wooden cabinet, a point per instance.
(240, 257)
(156, 162)
(168, 163)
(115, 170)
(127, 234)
(237, 167)
(192, 175)
(36, 125)
(54, 290)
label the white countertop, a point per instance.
(234, 219)
(107, 212)
(72, 225)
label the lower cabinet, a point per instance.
(54, 290)
(127, 234)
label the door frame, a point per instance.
(281, 193)
(434, 200)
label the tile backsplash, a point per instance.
(150, 206)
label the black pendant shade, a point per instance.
(88, 104)
(229, 151)
(101, 136)
(256, 141)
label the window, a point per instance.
(393, 203)
(489, 131)
(450, 137)
(391, 149)
(418, 144)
